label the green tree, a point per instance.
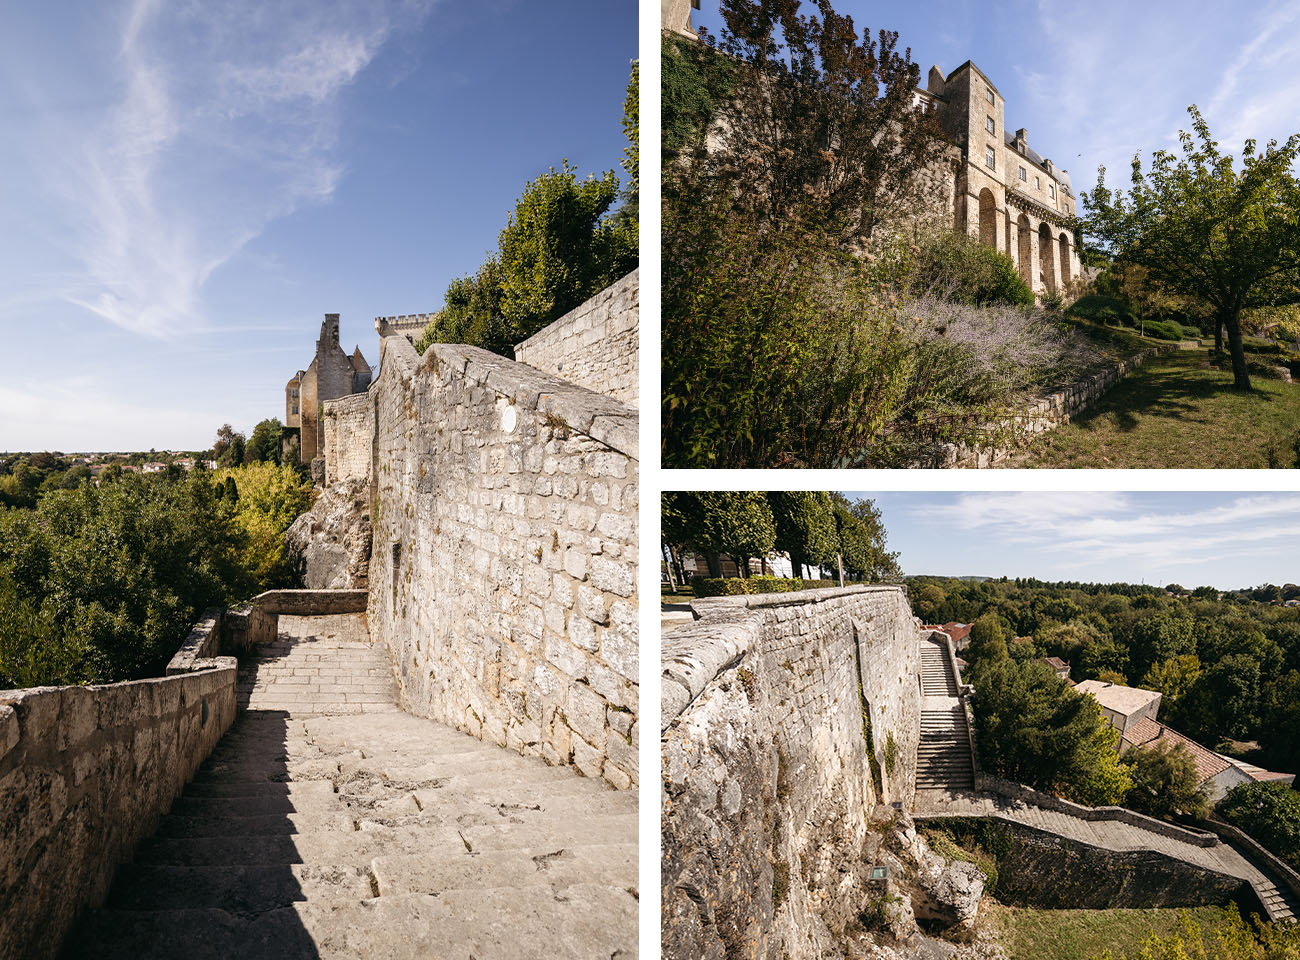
(471, 313)
(555, 251)
(1174, 678)
(1205, 229)
(264, 445)
(929, 602)
(805, 527)
(1165, 782)
(863, 540)
(988, 638)
(1034, 729)
(739, 524)
(1269, 812)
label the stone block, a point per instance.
(613, 577)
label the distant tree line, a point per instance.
(813, 527)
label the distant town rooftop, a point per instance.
(1113, 696)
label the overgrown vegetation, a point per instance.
(810, 317)
(1031, 934)
(1270, 813)
(1216, 938)
(560, 246)
(101, 583)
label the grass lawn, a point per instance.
(1176, 411)
(1083, 934)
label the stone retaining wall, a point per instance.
(594, 345)
(987, 783)
(503, 568)
(87, 772)
(261, 617)
(1050, 872)
(769, 788)
(1043, 414)
(1263, 858)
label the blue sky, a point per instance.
(1225, 540)
(1094, 83)
(188, 187)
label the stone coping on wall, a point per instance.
(1041, 414)
(565, 404)
(987, 783)
(1264, 857)
(724, 631)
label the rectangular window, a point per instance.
(1051, 190)
(1024, 174)
(1038, 183)
(990, 158)
(988, 95)
(988, 122)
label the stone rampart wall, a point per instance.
(349, 435)
(503, 568)
(85, 773)
(594, 345)
(769, 788)
(1263, 858)
(1050, 872)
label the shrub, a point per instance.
(1270, 813)
(961, 268)
(1162, 330)
(738, 586)
(1102, 309)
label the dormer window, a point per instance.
(988, 124)
(990, 158)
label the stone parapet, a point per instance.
(1264, 858)
(87, 772)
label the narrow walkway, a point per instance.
(329, 823)
(1111, 835)
(943, 756)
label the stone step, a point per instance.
(432, 839)
(236, 888)
(261, 805)
(612, 865)
(256, 825)
(519, 924)
(310, 789)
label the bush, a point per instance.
(1270, 813)
(1101, 309)
(961, 268)
(738, 586)
(1162, 330)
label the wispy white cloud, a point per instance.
(1097, 531)
(227, 118)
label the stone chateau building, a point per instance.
(998, 188)
(331, 374)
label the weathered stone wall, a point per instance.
(503, 571)
(85, 773)
(594, 345)
(769, 791)
(1051, 872)
(349, 427)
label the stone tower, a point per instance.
(332, 373)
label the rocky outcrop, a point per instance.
(329, 545)
(949, 891)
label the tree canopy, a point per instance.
(1205, 228)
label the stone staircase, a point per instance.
(943, 756)
(329, 823)
(1279, 904)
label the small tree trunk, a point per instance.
(668, 562)
(796, 563)
(1218, 335)
(1240, 375)
(715, 565)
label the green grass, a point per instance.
(1084, 934)
(1177, 411)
